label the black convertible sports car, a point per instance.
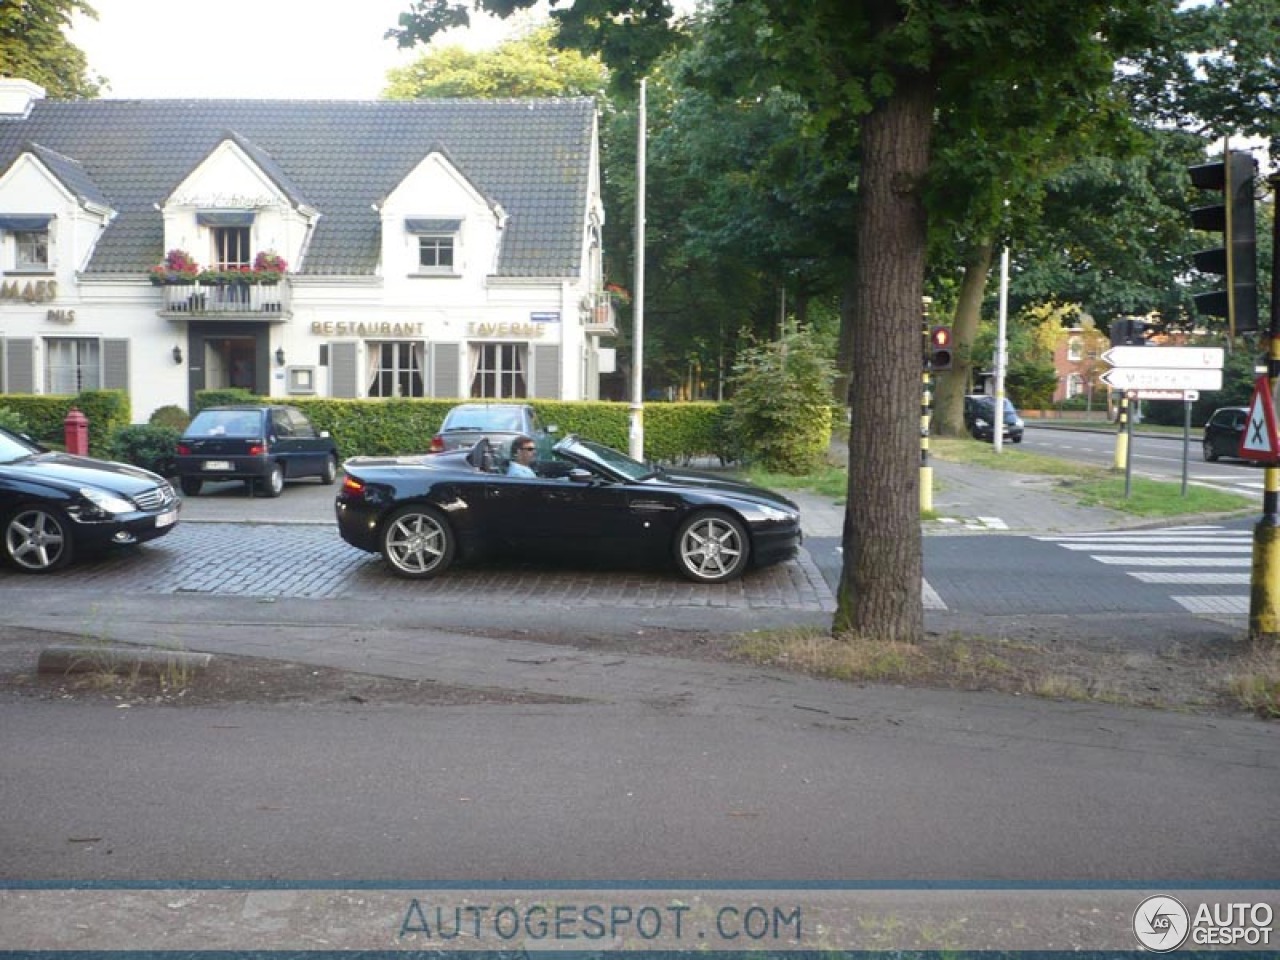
(54, 505)
(423, 512)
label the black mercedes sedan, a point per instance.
(424, 512)
(54, 506)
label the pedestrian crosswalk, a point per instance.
(1207, 568)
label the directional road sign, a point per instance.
(1167, 358)
(1187, 396)
(1128, 378)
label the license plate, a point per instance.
(166, 519)
(217, 465)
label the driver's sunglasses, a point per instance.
(527, 449)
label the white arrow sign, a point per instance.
(1127, 378)
(1166, 358)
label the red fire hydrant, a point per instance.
(76, 433)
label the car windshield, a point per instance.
(226, 423)
(12, 449)
(482, 418)
(988, 404)
(601, 456)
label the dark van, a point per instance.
(979, 418)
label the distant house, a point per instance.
(443, 248)
(1077, 359)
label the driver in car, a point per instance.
(523, 454)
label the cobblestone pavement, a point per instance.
(311, 561)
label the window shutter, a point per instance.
(115, 365)
(19, 366)
(446, 370)
(344, 368)
(3, 379)
(546, 371)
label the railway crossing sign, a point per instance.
(1259, 440)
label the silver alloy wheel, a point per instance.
(272, 485)
(38, 540)
(712, 548)
(418, 543)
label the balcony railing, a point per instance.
(599, 314)
(241, 299)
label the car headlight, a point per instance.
(107, 502)
(774, 514)
(1017, 422)
(981, 422)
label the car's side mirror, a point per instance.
(324, 434)
(578, 475)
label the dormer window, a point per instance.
(437, 244)
(27, 246)
(230, 230)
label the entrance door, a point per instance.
(229, 362)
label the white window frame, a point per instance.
(437, 253)
(1075, 349)
(499, 371)
(72, 364)
(407, 363)
(31, 251)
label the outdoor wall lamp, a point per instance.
(279, 356)
(177, 354)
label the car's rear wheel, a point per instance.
(712, 548)
(272, 485)
(38, 539)
(330, 473)
(418, 542)
(191, 485)
(1210, 454)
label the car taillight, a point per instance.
(353, 487)
(437, 444)
(184, 449)
(257, 449)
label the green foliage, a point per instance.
(221, 398)
(104, 409)
(171, 416)
(34, 46)
(146, 445)
(1031, 384)
(781, 404)
(529, 66)
(10, 419)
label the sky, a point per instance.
(269, 49)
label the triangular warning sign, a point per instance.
(1259, 441)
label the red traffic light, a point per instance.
(940, 348)
(940, 337)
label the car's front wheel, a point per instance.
(272, 485)
(418, 542)
(712, 548)
(38, 539)
(191, 485)
(1210, 454)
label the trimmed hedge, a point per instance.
(106, 410)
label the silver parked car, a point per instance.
(499, 423)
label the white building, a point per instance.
(444, 248)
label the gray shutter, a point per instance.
(115, 365)
(545, 379)
(20, 366)
(344, 370)
(446, 370)
(3, 379)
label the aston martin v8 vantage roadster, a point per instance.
(423, 513)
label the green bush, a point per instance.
(782, 404)
(171, 416)
(104, 409)
(150, 446)
(10, 419)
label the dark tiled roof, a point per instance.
(531, 156)
(71, 174)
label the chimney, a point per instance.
(18, 96)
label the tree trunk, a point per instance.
(880, 585)
(949, 390)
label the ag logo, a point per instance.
(1161, 924)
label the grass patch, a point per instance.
(829, 481)
(1255, 682)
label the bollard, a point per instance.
(76, 433)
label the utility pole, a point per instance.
(636, 433)
(1002, 326)
(1264, 583)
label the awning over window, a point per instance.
(422, 225)
(225, 218)
(26, 222)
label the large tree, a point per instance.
(880, 74)
(34, 46)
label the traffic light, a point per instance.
(1128, 332)
(1237, 258)
(939, 348)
